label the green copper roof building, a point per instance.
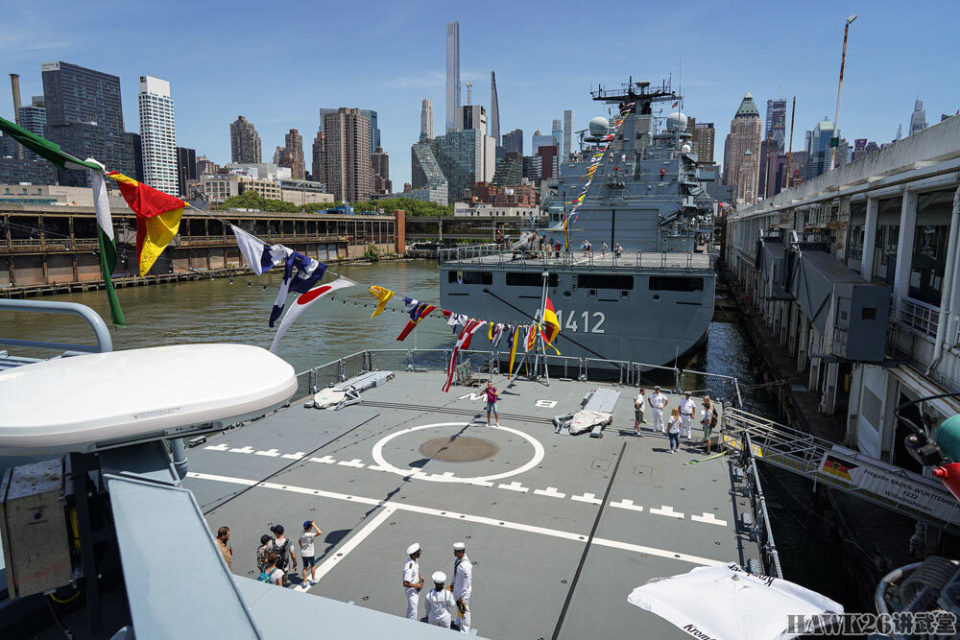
(748, 108)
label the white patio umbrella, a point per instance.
(727, 603)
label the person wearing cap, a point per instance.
(283, 548)
(688, 411)
(438, 601)
(223, 538)
(657, 402)
(462, 585)
(709, 421)
(412, 580)
(266, 546)
(310, 531)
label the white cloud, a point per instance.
(426, 80)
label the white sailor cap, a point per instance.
(439, 577)
(412, 549)
(459, 546)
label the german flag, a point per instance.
(158, 218)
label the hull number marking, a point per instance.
(586, 324)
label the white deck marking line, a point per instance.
(588, 498)
(273, 453)
(668, 511)
(294, 456)
(246, 449)
(538, 454)
(627, 504)
(514, 486)
(355, 463)
(351, 544)
(550, 492)
(217, 447)
(323, 460)
(493, 522)
(709, 518)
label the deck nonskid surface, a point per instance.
(525, 510)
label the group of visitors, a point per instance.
(586, 247)
(276, 553)
(441, 598)
(681, 417)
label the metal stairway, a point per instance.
(822, 461)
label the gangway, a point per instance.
(837, 467)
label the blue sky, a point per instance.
(276, 64)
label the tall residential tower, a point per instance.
(494, 109)
(244, 142)
(348, 171)
(567, 147)
(453, 114)
(426, 120)
(158, 140)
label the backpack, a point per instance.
(264, 576)
(282, 553)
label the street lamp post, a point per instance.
(835, 142)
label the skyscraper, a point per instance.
(540, 140)
(557, 134)
(33, 117)
(85, 117)
(819, 149)
(316, 168)
(369, 114)
(291, 154)
(513, 141)
(740, 153)
(186, 169)
(380, 161)
(348, 172)
(453, 114)
(244, 142)
(494, 108)
(776, 126)
(567, 148)
(475, 117)
(703, 137)
(426, 120)
(158, 140)
(918, 119)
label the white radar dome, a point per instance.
(599, 126)
(686, 148)
(676, 121)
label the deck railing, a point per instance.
(492, 255)
(621, 372)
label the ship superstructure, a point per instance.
(647, 295)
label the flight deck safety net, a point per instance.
(843, 469)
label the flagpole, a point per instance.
(543, 311)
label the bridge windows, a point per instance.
(605, 281)
(470, 277)
(530, 279)
(675, 283)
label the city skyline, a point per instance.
(404, 76)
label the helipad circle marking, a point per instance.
(377, 453)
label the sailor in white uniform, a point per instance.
(657, 402)
(462, 585)
(412, 580)
(438, 601)
(688, 410)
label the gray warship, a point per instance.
(650, 303)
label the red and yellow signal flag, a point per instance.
(158, 218)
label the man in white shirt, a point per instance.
(639, 403)
(688, 411)
(462, 585)
(438, 601)
(310, 531)
(412, 580)
(657, 402)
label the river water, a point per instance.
(237, 310)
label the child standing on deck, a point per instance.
(673, 430)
